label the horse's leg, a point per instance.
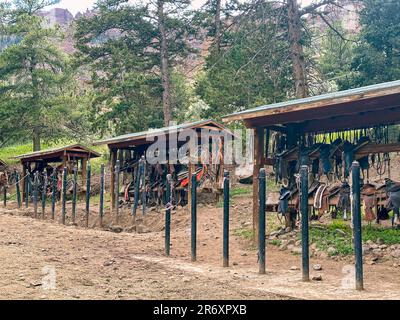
(345, 214)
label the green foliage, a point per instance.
(252, 67)
(247, 234)
(36, 80)
(337, 53)
(119, 47)
(377, 58)
(338, 234)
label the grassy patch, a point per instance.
(235, 192)
(247, 234)
(339, 236)
(276, 242)
(240, 191)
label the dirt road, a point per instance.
(42, 259)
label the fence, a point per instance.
(42, 184)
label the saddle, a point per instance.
(393, 191)
(344, 203)
(368, 195)
(284, 195)
(321, 197)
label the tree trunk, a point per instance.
(36, 139)
(218, 25)
(164, 63)
(296, 49)
(35, 106)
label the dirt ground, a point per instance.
(43, 259)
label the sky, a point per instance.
(75, 6)
(81, 5)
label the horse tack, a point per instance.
(393, 192)
(368, 194)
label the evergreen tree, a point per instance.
(377, 58)
(130, 61)
(33, 75)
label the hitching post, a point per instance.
(35, 193)
(304, 222)
(44, 193)
(54, 193)
(168, 216)
(143, 175)
(117, 168)
(27, 189)
(225, 249)
(194, 217)
(355, 172)
(261, 212)
(101, 209)
(17, 177)
(5, 196)
(137, 185)
(64, 195)
(74, 194)
(88, 174)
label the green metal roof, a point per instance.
(34, 154)
(155, 132)
(328, 97)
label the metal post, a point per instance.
(101, 208)
(194, 217)
(261, 225)
(355, 172)
(5, 196)
(44, 193)
(117, 169)
(304, 222)
(27, 189)
(35, 193)
(225, 249)
(143, 176)
(54, 193)
(88, 174)
(17, 177)
(168, 216)
(64, 195)
(74, 194)
(137, 186)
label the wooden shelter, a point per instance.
(360, 108)
(2, 164)
(67, 156)
(137, 143)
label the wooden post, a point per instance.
(258, 164)
(23, 180)
(84, 170)
(17, 186)
(101, 208)
(112, 171)
(88, 174)
(44, 193)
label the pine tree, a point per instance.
(33, 72)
